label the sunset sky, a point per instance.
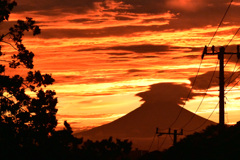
(103, 52)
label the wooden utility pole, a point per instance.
(220, 54)
(174, 133)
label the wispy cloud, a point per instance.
(103, 51)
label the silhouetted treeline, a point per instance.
(106, 149)
(214, 143)
(60, 145)
(28, 121)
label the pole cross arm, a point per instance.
(220, 52)
(169, 132)
(175, 133)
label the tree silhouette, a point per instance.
(106, 149)
(28, 121)
(17, 108)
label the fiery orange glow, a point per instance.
(102, 53)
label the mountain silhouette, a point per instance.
(160, 109)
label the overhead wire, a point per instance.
(233, 86)
(233, 37)
(230, 77)
(228, 45)
(209, 84)
(171, 137)
(199, 71)
(227, 110)
(156, 133)
(229, 82)
(215, 68)
(233, 79)
(233, 72)
(189, 93)
(160, 147)
(230, 90)
(152, 142)
(205, 120)
(220, 22)
(217, 104)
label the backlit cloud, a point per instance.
(46, 7)
(204, 79)
(102, 52)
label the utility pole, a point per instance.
(220, 54)
(174, 133)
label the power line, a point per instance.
(233, 86)
(200, 67)
(158, 146)
(215, 68)
(228, 60)
(163, 142)
(221, 54)
(220, 22)
(233, 72)
(188, 94)
(152, 142)
(201, 63)
(171, 137)
(204, 120)
(227, 114)
(233, 80)
(210, 82)
(228, 45)
(232, 37)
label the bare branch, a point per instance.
(10, 45)
(5, 61)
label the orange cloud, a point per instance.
(103, 52)
(187, 5)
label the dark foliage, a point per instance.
(5, 9)
(155, 155)
(105, 149)
(28, 121)
(213, 143)
(28, 117)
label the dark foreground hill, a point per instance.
(160, 108)
(213, 143)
